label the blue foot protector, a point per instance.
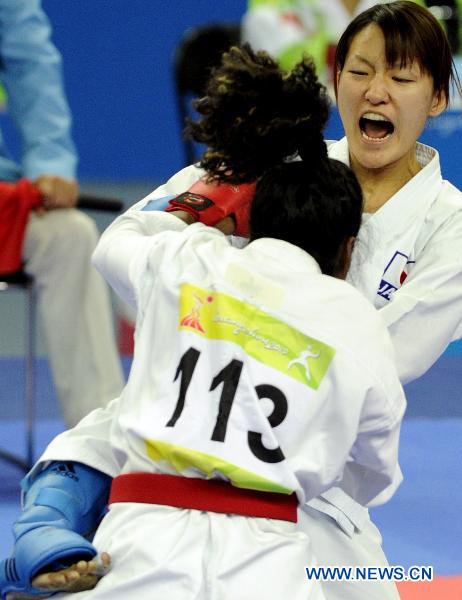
(63, 503)
(43, 549)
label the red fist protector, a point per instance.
(16, 202)
(210, 203)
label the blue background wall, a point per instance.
(118, 72)
(117, 63)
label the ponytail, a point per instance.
(254, 116)
(257, 122)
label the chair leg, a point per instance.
(26, 463)
(30, 374)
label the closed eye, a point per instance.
(402, 80)
(357, 72)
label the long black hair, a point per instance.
(261, 123)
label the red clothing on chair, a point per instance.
(16, 201)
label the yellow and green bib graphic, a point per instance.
(182, 459)
(264, 337)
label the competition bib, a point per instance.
(241, 387)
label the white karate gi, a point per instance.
(408, 262)
(422, 222)
(296, 357)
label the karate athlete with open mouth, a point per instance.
(394, 71)
(260, 377)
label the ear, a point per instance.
(439, 104)
(349, 245)
(344, 261)
(338, 72)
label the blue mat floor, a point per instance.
(421, 525)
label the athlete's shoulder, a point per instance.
(198, 249)
(445, 214)
(348, 318)
(450, 196)
(357, 324)
(353, 302)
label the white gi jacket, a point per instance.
(422, 222)
(298, 358)
(408, 262)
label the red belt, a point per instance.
(202, 494)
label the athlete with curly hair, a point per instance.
(393, 72)
(260, 377)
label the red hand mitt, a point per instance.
(210, 203)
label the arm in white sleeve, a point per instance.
(124, 248)
(425, 314)
(177, 184)
(89, 443)
(372, 474)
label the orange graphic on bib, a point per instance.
(193, 318)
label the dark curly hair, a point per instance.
(254, 116)
(257, 122)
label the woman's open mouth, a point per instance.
(375, 128)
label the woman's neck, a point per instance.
(379, 185)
